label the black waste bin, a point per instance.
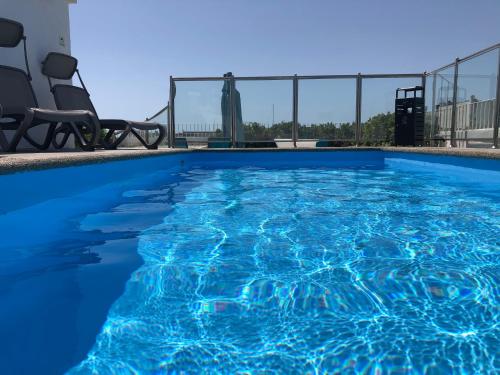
(410, 117)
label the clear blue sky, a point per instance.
(127, 48)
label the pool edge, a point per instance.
(24, 162)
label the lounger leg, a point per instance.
(93, 124)
(152, 146)
(3, 141)
(80, 139)
(121, 138)
(26, 124)
(107, 138)
(48, 138)
(161, 136)
(96, 130)
(116, 143)
(63, 129)
(50, 135)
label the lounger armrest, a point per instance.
(64, 116)
(48, 114)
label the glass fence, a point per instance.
(475, 113)
(377, 108)
(202, 110)
(327, 111)
(289, 111)
(461, 102)
(443, 104)
(159, 118)
(461, 107)
(264, 111)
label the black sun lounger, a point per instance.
(68, 97)
(19, 110)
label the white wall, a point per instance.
(46, 25)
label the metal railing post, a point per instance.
(453, 130)
(433, 111)
(167, 136)
(359, 89)
(295, 126)
(232, 101)
(171, 115)
(496, 116)
(424, 85)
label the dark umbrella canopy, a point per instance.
(226, 111)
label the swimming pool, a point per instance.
(292, 262)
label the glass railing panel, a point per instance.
(160, 118)
(264, 112)
(443, 106)
(378, 108)
(202, 111)
(327, 111)
(476, 100)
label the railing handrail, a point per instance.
(468, 57)
(161, 111)
(303, 77)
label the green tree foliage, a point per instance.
(378, 130)
(257, 132)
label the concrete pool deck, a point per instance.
(27, 161)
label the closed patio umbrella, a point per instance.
(226, 111)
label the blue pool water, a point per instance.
(310, 263)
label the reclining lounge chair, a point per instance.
(68, 97)
(19, 110)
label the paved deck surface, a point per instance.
(42, 160)
(488, 153)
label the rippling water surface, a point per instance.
(311, 271)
